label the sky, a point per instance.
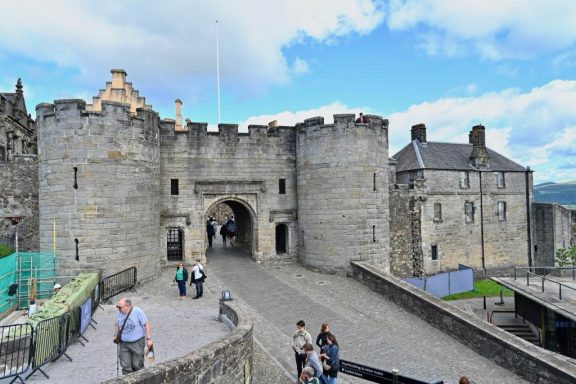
(450, 64)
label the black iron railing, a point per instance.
(542, 279)
(117, 283)
(16, 348)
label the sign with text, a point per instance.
(377, 375)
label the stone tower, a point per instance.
(99, 182)
(342, 179)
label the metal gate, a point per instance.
(174, 244)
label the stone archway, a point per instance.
(245, 219)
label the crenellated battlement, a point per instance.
(315, 126)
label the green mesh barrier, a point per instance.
(38, 265)
(7, 278)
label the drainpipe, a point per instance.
(528, 218)
(482, 221)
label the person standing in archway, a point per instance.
(210, 231)
(231, 228)
(224, 232)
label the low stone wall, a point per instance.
(534, 364)
(227, 360)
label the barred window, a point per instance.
(501, 210)
(464, 179)
(469, 211)
(500, 180)
(437, 212)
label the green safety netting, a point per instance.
(20, 268)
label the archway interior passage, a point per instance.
(242, 218)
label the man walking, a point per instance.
(134, 333)
(299, 339)
(198, 276)
(210, 231)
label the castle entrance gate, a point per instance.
(243, 209)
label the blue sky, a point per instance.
(451, 64)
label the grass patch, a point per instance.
(481, 288)
(5, 250)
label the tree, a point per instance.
(563, 257)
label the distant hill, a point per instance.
(560, 193)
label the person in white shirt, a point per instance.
(198, 278)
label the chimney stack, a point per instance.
(419, 132)
(479, 156)
(178, 114)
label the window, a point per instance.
(464, 179)
(437, 212)
(500, 180)
(174, 187)
(434, 252)
(282, 186)
(501, 210)
(415, 175)
(469, 211)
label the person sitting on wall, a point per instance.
(361, 119)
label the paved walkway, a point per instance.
(370, 329)
(178, 327)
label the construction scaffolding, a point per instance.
(25, 276)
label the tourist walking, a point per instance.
(331, 360)
(210, 231)
(223, 233)
(133, 334)
(198, 276)
(312, 359)
(300, 337)
(181, 279)
(231, 228)
(307, 377)
(321, 338)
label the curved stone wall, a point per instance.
(342, 178)
(99, 176)
(228, 360)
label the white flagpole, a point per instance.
(218, 69)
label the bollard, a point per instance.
(542, 284)
(395, 373)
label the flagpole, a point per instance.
(54, 236)
(218, 69)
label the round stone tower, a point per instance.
(342, 179)
(99, 186)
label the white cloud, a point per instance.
(166, 42)
(493, 29)
(300, 67)
(536, 128)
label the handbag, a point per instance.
(325, 366)
(118, 338)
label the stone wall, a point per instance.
(228, 360)
(242, 170)
(552, 230)
(343, 211)
(19, 200)
(526, 360)
(99, 179)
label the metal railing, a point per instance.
(16, 349)
(117, 283)
(52, 338)
(546, 270)
(542, 278)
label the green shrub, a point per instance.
(565, 257)
(5, 250)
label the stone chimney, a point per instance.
(419, 132)
(479, 157)
(118, 78)
(178, 114)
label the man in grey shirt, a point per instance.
(136, 334)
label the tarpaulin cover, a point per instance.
(7, 278)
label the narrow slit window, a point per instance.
(374, 181)
(282, 186)
(434, 252)
(373, 233)
(75, 177)
(76, 245)
(174, 189)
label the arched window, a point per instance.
(175, 244)
(281, 238)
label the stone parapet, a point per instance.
(521, 357)
(228, 360)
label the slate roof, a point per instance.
(11, 97)
(447, 156)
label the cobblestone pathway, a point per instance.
(371, 330)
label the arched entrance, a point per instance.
(244, 218)
(281, 239)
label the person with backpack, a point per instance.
(231, 228)
(198, 276)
